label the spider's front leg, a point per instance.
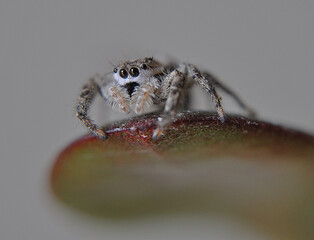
(197, 76)
(176, 81)
(86, 98)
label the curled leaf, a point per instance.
(245, 168)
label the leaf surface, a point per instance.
(245, 168)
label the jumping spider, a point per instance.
(137, 85)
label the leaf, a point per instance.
(244, 168)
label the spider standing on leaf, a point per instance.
(139, 84)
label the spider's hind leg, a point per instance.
(198, 77)
(216, 82)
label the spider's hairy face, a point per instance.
(131, 74)
(136, 72)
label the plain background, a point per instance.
(262, 49)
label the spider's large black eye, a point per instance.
(144, 66)
(134, 72)
(123, 73)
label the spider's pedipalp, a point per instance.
(117, 97)
(143, 97)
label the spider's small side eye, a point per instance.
(115, 70)
(123, 73)
(134, 72)
(144, 66)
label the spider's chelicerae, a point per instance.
(137, 85)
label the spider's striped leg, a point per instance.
(216, 82)
(177, 81)
(197, 76)
(85, 100)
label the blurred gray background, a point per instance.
(264, 50)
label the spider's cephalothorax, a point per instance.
(139, 84)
